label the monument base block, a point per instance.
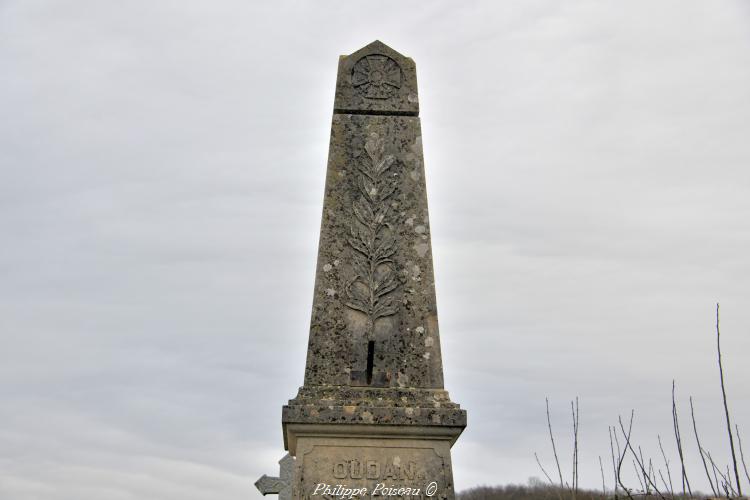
(365, 461)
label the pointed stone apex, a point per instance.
(378, 46)
(376, 80)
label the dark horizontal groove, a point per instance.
(374, 112)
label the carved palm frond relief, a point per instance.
(372, 236)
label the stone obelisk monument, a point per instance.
(372, 412)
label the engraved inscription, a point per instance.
(373, 469)
(376, 76)
(373, 237)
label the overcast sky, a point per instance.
(161, 183)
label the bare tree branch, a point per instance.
(676, 425)
(698, 441)
(666, 486)
(731, 486)
(739, 441)
(574, 411)
(713, 467)
(544, 471)
(647, 489)
(622, 455)
(646, 477)
(554, 449)
(612, 452)
(725, 481)
(639, 476)
(666, 464)
(726, 407)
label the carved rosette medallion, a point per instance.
(372, 236)
(376, 76)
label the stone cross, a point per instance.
(281, 485)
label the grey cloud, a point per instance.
(162, 173)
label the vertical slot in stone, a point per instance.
(370, 360)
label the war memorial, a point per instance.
(372, 418)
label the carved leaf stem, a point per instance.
(372, 237)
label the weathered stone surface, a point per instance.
(376, 175)
(281, 485)
(367, 461)
(373, 388)
(376, 80)
(359, 405)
